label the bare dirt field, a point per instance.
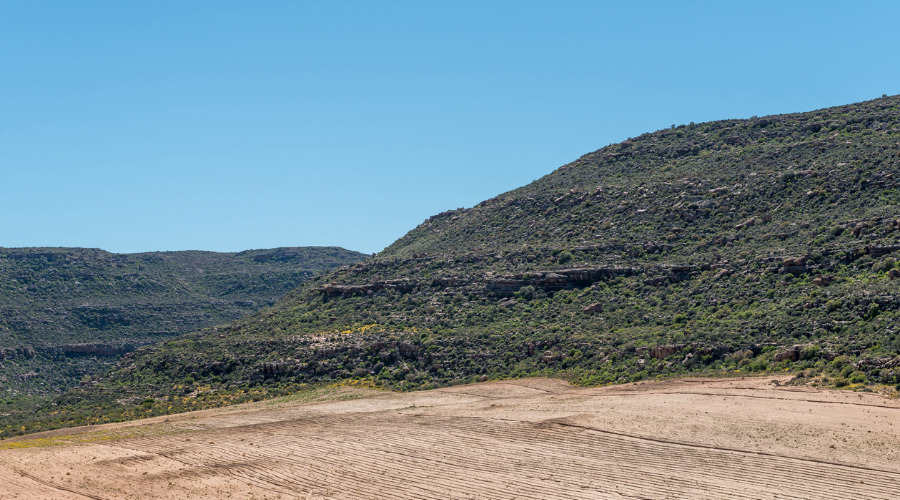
(531, 438)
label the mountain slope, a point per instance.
(68, 312)
(730, 246)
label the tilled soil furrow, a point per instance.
(325, 460)
(742, 466)
(581, 456)
(252, 478)
(579, 469)
(333, 456)
(791, 400)
(569, 472)
(54, 486)
(403, 472)
(479, 442)
(630, 453)
(756, 459)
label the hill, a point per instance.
(756, 245)
(66, 313)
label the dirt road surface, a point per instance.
(532, 438)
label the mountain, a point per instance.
(66, 313)
(757, 245)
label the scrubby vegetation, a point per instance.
(738, 246)
(67, 313)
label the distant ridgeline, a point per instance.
(68, 312)
(756, 245)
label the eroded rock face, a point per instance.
(96, 349)
(692, 351)
(880, 251)
(403, 285)
(507, 285)
(551, 281)
(274, 368)
(880, 363)
(20, 352)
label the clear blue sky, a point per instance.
(220, 125)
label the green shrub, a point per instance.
(810, 352)
(885, 265)
(759, 366)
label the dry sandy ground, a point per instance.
(533, 438)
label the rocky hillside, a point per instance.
(68, 312)
(755, 245)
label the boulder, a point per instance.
(812, 127)
(747, 223)
(593, 308)
(664, 351)
(549, 357)
(795, 265)
(792, 354)
(822, 280)
(742, 354)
